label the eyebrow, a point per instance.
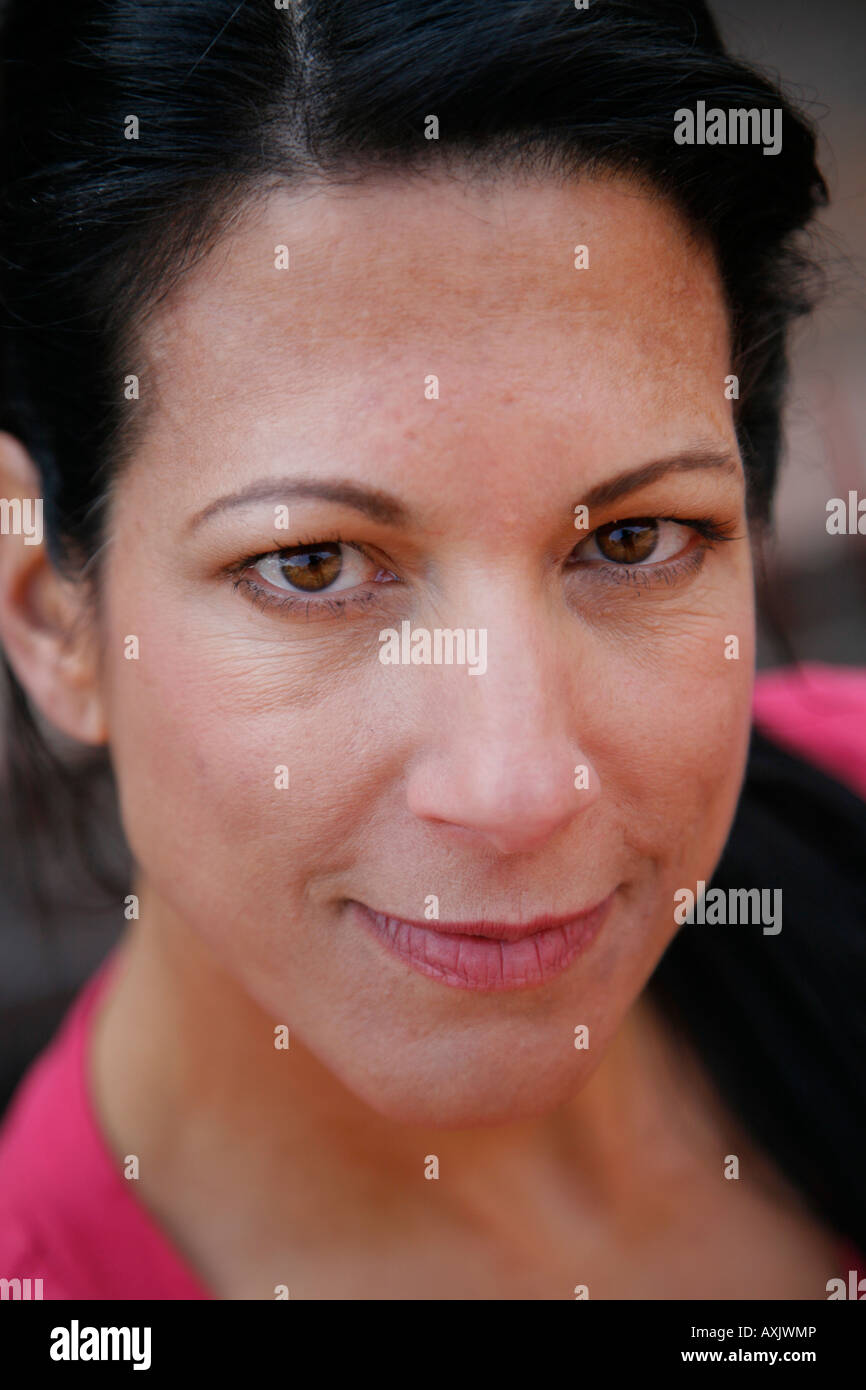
(371, 502)
(384, 507)
(697, 459)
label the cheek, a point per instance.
(670, 747)
(234, 783)
(683, 718)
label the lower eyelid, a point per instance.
(327, 600)
(648, 575)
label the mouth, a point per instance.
(485, 955)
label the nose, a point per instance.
(505, 764)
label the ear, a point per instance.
(47, 626)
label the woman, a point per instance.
(405, 401)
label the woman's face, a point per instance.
(298, 406)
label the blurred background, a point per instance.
(816, 593)
(818, 581)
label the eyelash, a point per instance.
(264, 598)
(666, 572)
(669, 571)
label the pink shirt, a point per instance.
(70, 1218)
(820, 713)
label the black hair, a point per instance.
(233, 99)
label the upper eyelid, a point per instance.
(699, 526)
(645, 516)
(279, 548)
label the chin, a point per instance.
(474, 1097)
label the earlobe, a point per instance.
(46, 628)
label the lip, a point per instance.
(484, 955)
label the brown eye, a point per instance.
(325, 568)
(628, 542)
(313, 568)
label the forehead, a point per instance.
(390, 263)
(332, 307)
